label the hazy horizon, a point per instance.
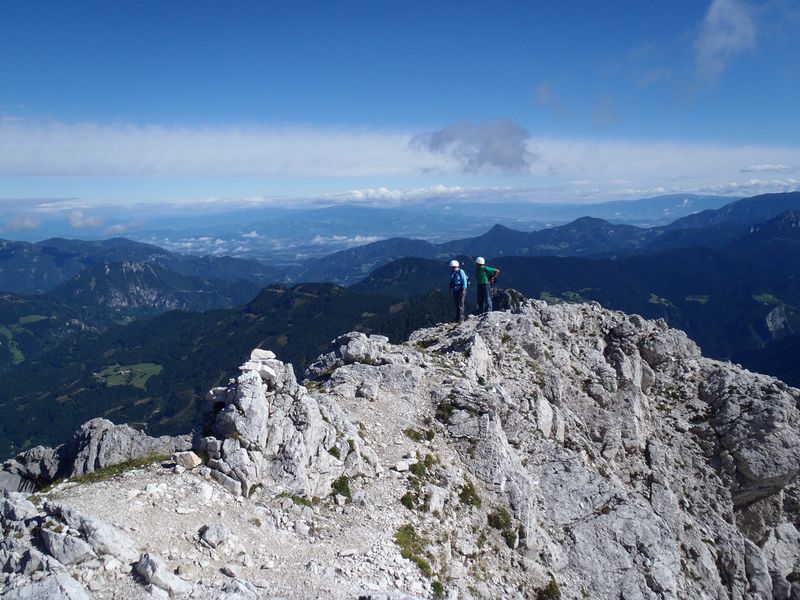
(203, 106)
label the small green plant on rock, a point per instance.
(424, 468)
(551, 592)
(437, 588)
(409, 500)
(300, 501)
(469, 495)
(510, 536)
(342, 486)
(481, 541)
(412, 546)
(499, 518)
(417, 436)
(444, 411)
(334, 452)
(426, 343)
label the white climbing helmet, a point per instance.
(480, 261)
(454, 263)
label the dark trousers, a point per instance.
(484, 298)
(458, 298)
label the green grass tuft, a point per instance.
(342, 486)
(412, 546)
(417, 436)
(499, 519)
(444, 411)
(469, 495)
(114, 470)
(551, 592)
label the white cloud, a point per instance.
(344, 241)
(767, 168)
(727, 31)
(89, 149)
(396, 169)
(751, 187)
(382, 194)
(651, 163)
(80, 220)
(120, 228)
(22, 223)
(251, 235)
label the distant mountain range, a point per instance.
(140, 289)
(586, 236)
(283, 236)
(27, 268)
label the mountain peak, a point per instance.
(563, 445)
(787, 222)
(498, 229)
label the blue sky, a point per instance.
(289, 102)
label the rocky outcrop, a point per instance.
(269, 433)
(45, 543)
(626, 456)
(98, 443)
(631, 466)
(543, 451)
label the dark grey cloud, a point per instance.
(496, 145)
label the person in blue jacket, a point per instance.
(458, 285)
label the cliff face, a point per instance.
(554, 449)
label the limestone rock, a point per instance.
(187, 460)
(100, 443)
(755, 422)
(102, 537)
(39, 464)
(349, 349)
(56, 585)
(15, 507)
(66, 549)
(97, 443)
(272, 434)
(214, 534)
(154, 571)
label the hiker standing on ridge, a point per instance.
(458, 285)
(485, 276)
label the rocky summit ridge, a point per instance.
(552, 451)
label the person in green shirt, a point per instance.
(485, 276)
